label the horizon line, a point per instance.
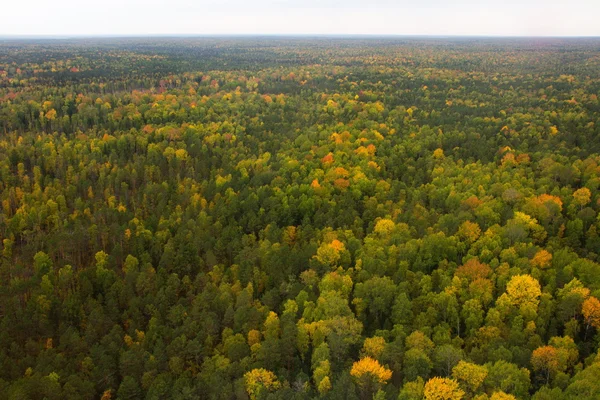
(284, 35)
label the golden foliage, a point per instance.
(542, 259)
(128, 340)
(324, 385)
(469, 231)
(545, 358)
(525, 219)
(438, 154)
(253, 337)
(271, 325)
(51, 115)
(591, 311)
(289, 235)
(384, 227)
(544, 198)
(337, 138)
(502, 396)
(472, 375)
(524, 290)
(373, 165)
(343, 172)
(369, 369)
(574, 288)
(373, 347)
(362, 151)
(508, 159)
(329, 253)
(443, 389)
(260, 379)
(582, 196)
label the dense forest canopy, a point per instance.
(300, 218)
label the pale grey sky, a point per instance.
(387, 17)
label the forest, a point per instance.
(298, 218)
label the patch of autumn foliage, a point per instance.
(443, 389)
(369, 369)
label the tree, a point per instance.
(375, 296)
(508, 378)
(172, 233)
(384, 227)
(321, 377)
(472, 375)
(502, 396)
(329, 253)
(373, 347)
(446, 357)
(321, 368)
(585, 385)
(417, 359)
(369, 375)
(442, 389)
(129, 389)
(524, 290)
(438, 154)
(546, 360)
(469, 231)
(582, 196)
(417, 363)
(542, 259)
(412, 390)
(42, 263)
(259, 380)
(473, 269)
(591, 312)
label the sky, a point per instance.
(306, 17)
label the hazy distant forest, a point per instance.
(297, 218)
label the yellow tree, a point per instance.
(329, 253)
(524, 290)
(443, 389)
(472, 375)
(591, 312)
(324, 386)
(502, 396)
(469, 231)
(259, 380)
(51, 115)
(321, 377)
(542, 259)
(582, 196)
(384, 227)
(373, 347)
(369, 375)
